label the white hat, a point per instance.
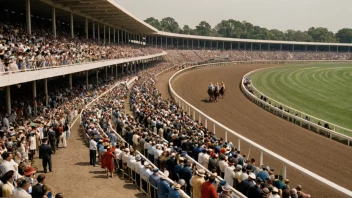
(252, 176)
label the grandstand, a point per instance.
(70, 61)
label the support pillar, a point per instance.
(71, 26)
(86, 28)
(198, 44)
(104, 35)
(117, 69)
(98, 32)
(28, 19)
(118, 36)
(93, 30)
(97, 76)
(70, 80)
(106, 73)
(34, 89)
(46, 92)
(223, 45)
(114, 35)
(8, 99)
(109, 34)
(53, 20)
(87, 79)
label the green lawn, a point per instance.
(320, 90)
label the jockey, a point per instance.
(211, 86)
(217, 86)
(223, 85)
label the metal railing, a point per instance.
(285, 162)
(294, 114)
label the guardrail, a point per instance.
(332, 133)
(188, 108)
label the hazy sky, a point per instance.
(272, 14)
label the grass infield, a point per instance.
(321, 90)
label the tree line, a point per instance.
(245, 30)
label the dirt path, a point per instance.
(318, 154)
(73, 175)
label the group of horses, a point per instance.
(214, 94)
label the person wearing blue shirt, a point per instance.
(174, 191)
(264, 173)
(163, 187)
(186, 174)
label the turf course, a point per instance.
(321, 90)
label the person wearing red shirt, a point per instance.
(208, 188)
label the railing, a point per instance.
(129, 85)
(121, 61)
(188, 108)
(333, 133)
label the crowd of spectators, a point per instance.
(173, 141)
(191, 56)
(18, 51)
(33, 130)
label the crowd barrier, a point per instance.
(187, 107)
(295, 116)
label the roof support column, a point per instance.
(104, 35)
(231, 46)
(86, 28)
(268, 47)
(238, 46)
(223, 45)
(280, 47)
(349, 49)
(211, 44)
(34, 90)
(187, 44)
(260, 47)
(177, 44)
(87, 81)
(8, 99)
(192, 44)
(98, 31)
(53, 20)
(305, 48)
(337, 48)
(97, 76)
(217, 45)
(198, 44)
(317, 47)
(28, 18)
(93, 30)
(109, 35)
(166, 42)
(251, 46)
(293, 48)
(204, 44)
(46, 92)
(118, 36)
(71, 25)
(114, 35)
(70, 81)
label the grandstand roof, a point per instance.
(209, 38)
(108, 12)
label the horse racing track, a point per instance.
(318, 154)
(321, 90)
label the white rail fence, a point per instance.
(285, 162)
(295, 115)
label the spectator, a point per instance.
(8, 186)
(23, 184)
(37, 190)
(208, 189)
(196, 182)
(163, 187)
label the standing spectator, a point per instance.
(23, 185)
(226, 192)
(37, 190)
(163, 187)
(255, 191)
(208, 189)
(196, 182)
(45, 153)
(229, 173)
(186, 174)
(92, 151)
(32, 144)
(174, 191)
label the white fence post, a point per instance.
(189, 111)
(214, 128)
(194, 114)
(261, 158)
(225, 136)
(284, 169)
(206, 123)
(200, 119)
(239, 144)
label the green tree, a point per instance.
(277, 35)
(170, 25)
(203, 28)
(321, 34)
(153, 22)
(186, 29)
(344, 35)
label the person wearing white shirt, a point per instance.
(229, 173)
(157, 153)
(200, 157)
(146, 147)
(5, 122)
(32, 145)
(92, 151)
(130, 165)
(205, 160)
(222, 165)
(137, 168)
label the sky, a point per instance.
(271, 14)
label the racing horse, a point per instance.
(222, 92)
(213, 94)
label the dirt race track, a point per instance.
(318, 154)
